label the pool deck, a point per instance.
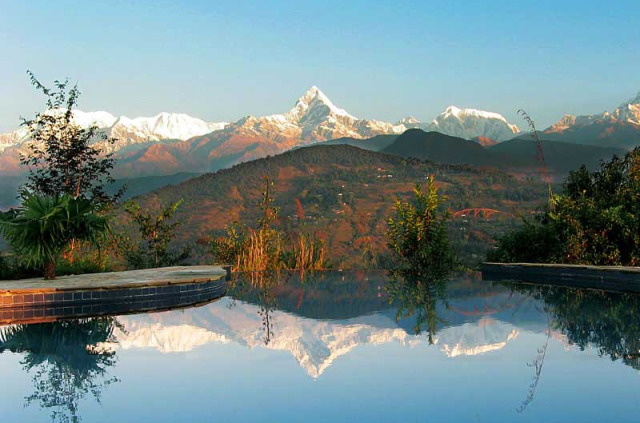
(111, 286)
(609, 278)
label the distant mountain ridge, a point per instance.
(620, 128)
(471, 124)
(171, 143)
(515, 155)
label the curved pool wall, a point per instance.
(172, 288)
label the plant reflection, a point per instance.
(604, 320)
(417, 294)
(67, 361)
(589, 318)
(259, 285)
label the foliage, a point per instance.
(595, 221)
(157, 231)
(43, 227)
(307, 252)
(253, 250)
(417, 234)
(268, 248)
(12, 268)
(63, 158)
(226, 250)
(317, 175)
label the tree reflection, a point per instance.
(260, 287)
(67, 361)
(605, 320)
(417, 294)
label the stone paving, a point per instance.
(117, 280)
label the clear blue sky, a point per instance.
(376, 59)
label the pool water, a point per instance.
(337, 347)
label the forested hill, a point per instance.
(515, 156)
(346, 195)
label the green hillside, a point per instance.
(347, 194)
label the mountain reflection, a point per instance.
(66, 361)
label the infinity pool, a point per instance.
(337, 347)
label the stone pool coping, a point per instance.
(610, 278)
(133, 285)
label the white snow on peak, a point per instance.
(127, 131)
(627, 112)
(315, 99)
(408, 121)
(100, 119)
(472, 123)
(633, 101)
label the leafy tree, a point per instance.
(595, 220)
(157, 232)
(42, 228)
(417, 234)
(63, 157)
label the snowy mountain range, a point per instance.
(171, 142)
(471, 124)
(129, 132)
(620, 128)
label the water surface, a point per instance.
(338, 347)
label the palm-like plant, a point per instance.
(42, 228)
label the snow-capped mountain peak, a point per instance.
(633, 101)
(127, 131)
(472, 124)
(408, 121)
(315, 104)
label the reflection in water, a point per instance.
(417, 296)
(261, 284)
(330, 315)
(537, 364)
(66, 361)
(605, 320)
(608, 321)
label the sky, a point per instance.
(385, 60)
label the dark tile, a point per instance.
(27, 299)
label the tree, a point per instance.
(63, 157)
(417, 234)
(156, 230)
(42, 228)
(595, 220)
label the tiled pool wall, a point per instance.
(560, 275)
(100, 301)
